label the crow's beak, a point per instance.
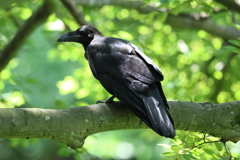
(69, 37)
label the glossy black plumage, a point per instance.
(128, 74)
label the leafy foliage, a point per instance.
(197, 65)
(189, 145)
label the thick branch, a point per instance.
(72, 126)
(233, 5)
(184, 21)
(36, 19)
(181, 21)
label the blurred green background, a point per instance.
(46, 74)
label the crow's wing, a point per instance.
(148, 61)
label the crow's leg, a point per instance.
(109, 100)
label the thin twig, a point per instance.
(35, 20)
(225, 69)
(72, 8)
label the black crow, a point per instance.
(128, 74)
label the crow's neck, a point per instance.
(96, 36)
(85, 45)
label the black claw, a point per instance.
(100, 102)
(109, 100)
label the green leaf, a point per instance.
(177, 141)
(164, 1)
(211, 138)
(146, 1)
(176, 147)
(198, 98)
(190, 138)
(208, 151)
(60, 104)
(218, 156)
(196, 151)
(32, 81)
(165, 145)
(235, 42)
(162, 16)
(64, 152)
(232, 49)
(188, 157)
(169, 154)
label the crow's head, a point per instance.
(83, 35)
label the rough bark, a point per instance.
(72, 126)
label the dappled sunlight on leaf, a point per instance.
(217, 43)
(218, 74)
(124, 13)
(182, 46)
(124, 150)
(1, 85)
(81, 93)
(68, 85)
(223, 96)
(125, 35)
(5, 74)
(26, 13)
(13, 98)
(56, 25)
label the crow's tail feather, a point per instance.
(160, 119)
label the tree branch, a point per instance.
(72, 8)
(230, 4)
(181, 21)
(184, 21)
(72, 126)
(36, 19)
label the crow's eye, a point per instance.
(81, 32)
(89, 31)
